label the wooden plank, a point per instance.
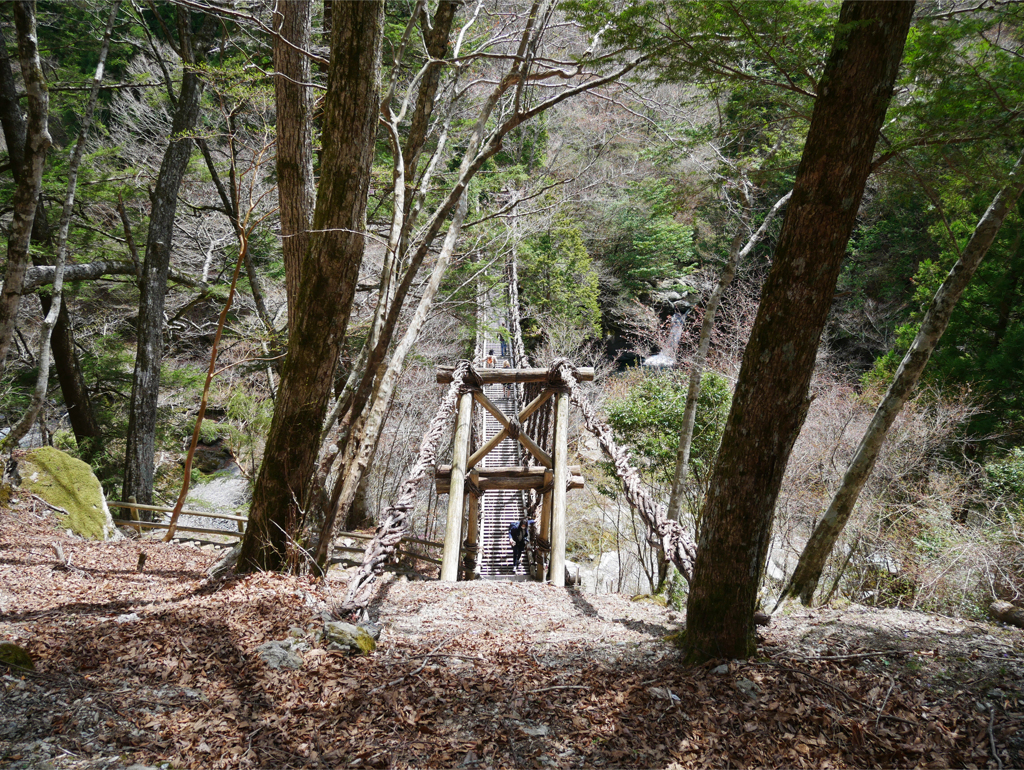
(161, 509)
(161, 525)
(503, 376)
(561, 474)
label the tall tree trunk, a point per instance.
(815, 553)
(327, 288)
(771, 398)
(73, 387)
(369, 423)
(65, 356)
(294, 104)
(52, 313)
(26, 195)
(11, 118)
(138, 468)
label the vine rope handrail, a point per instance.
(676, 543)
(395, 521)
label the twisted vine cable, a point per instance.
(395, 520)
(676, 543)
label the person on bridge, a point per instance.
(506, 390)
(489, 362)
(518, 534)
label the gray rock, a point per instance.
(723, 669)
(373, 630)
(748, 688)
(279, 655)
(535, 732)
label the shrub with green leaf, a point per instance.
(649, 417)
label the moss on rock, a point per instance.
(68, 483)
(14, 657)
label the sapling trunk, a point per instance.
(826, 533)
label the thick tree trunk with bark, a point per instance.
(30, 183)
(771, 398)
(293, 102)
(327, 289)
(73, 387)
(823, 539)
(138, 470)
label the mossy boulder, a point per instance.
(14, 657)
(68, 483)
(345, 636)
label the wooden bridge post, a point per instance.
(560, 479)
(471, 545)
(457, 491)
(545, 515)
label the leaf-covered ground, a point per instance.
(157, 666)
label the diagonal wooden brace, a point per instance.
(542, 457)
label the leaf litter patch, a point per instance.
(159, 666)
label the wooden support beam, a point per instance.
(470, 545)
(511, 477)
(545, 508)
(531, 446)
(489, 405)
(560, 478)
(502, 376)
(456, 498)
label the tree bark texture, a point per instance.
(327, 289)
(138, 471)
(73, 387)
(771, 397)
(294, 104)
(936, 319)
(26, 194)
(11, 118)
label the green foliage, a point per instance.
(649, 417)
(719, 43)
(648, 243)
(558, 278)
(1004, 478)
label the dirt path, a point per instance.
(158, 667)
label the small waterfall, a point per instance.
(666, 357)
